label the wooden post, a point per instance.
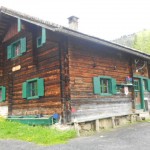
(131, 118)
(97, 125)
(76, 126)
(113, 122)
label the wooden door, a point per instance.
(137, 94)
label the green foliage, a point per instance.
(142, 41)
(37, 134)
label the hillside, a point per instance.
(126, 40)
(139, 41)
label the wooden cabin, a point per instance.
(48, 69)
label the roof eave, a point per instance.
(103, 42)
(69, 32)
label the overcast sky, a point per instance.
(106, 19)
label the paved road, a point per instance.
(134, 137)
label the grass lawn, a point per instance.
(39, 135)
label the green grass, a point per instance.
(38, 134)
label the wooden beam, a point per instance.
(97, 125)
(19, 24)
(113, 122)
(76, 126)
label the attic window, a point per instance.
(41, 39)
(16, 48)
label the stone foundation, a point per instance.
(106, 123)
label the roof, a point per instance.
(61, 29)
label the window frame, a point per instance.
(111, 84)
(26, 87)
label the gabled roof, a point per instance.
(61, 29)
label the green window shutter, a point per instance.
(113, 86)
(96, 83)
(3, 93)
(19, 24)
(148, 85)
(40, 87)
(23, 45)
(24, 90)
(43, 35)
(9, 52)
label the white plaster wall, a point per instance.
(4, 111)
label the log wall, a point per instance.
(40, 62)
(87, 61)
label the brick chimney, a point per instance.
(73, 23)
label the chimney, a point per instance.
(73, 23)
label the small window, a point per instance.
(2, 93)
(145, 85)
(104, 85)
(42, 39)
(33, 89)
(16, 49)
(39, 42)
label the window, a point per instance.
(104, 85)
(33, 89)
(2, 93)
(39, 41)
(145, 85)
(42, 39)
(136, 85)
(16, 49)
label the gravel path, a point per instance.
(134, 137)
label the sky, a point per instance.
(106, 19)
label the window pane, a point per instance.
(145, 85)
(104, 86)
(136, 85)
(33, 90)
(16, 49)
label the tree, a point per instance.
(142, 41)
